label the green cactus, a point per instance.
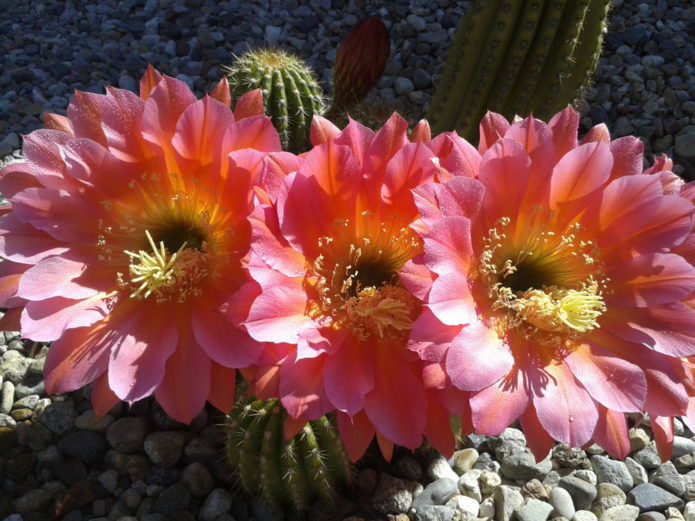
(291, 92)
(517, 57)
(312, 464)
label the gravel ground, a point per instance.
(57, 461)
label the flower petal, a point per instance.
(496, 407)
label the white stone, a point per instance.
(468, 507)
(487, 508)
(440, 468)
(689, 511)
(584, 515)
(468, 485)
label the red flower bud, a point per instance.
(359, 61)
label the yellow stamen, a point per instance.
(381, 308)
(153, 271)
(557, 310)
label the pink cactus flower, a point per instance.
(555, 290)
(327, 255)
(128, 223)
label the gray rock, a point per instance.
(59, 417)
(164, 448)
(432, 513)
(648, 457)
(682, 446)
(562, 503)
(198, 479)
(651, 497)
(436, 493)
(406, 467)
(609, 496)
(127, 434)
(611, 471)
(6, 397)
(651, 516)
(583, 493)
(392, 495)
(13, 365)
(668, 478)
(417, 23)
(403, 86)
(217, 503)
(684, 146)
(87, 446)
(507, 500)
(620, 513)
(33, 501)
(520, 465)
(533, 510)
(172, 499)
(637, 471)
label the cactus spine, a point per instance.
(291, 92)
(517, 57)
(296, 471)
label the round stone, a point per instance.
(562, 503)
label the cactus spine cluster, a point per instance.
(517, 57)
(291, 92)
(295, 471)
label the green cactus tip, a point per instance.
(291, 92)
(311, 464)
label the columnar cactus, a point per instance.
(291, 92)
(295, 471)
(517, 57)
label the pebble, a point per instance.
(562, 504)
(534, 510)
(651, 497)
(612, 471)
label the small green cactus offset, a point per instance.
(517, 57)
(296, 471)
(291, 92)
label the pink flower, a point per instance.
(327, 255)
(555, 293)
(128, 223)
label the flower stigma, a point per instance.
(545, 284)
(357, 281)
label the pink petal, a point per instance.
(451, 301)
(266, 243)
(221, 93)
(102, 397)
(477, 358)
(138, 357)
(493, 127)
(249, 104)
(77, 358)
(16, 177)
(148, 81)
(565, 409)
(447, 248)
(611, 432)
(255, 132)
(460, 196)
(24, 244)
(430, 338)
(456, 154)
(615, 383)
(163, 107)
(48, 319)
(84, 113)
(279, 313)
(411, 166)
(322, 130)
(652, 279)
(348, 375)
(121, 113)
(396, 404)
(356, 433)
(628, 156)
(421, 133)
(416, 277)
(222, 387)
(54, 211)
(597, 134)
(634, 211)
(356, 136)
(301, 388)
(275, 167)
(496, 407)
(662, 427)
(41, 149)
(56, 122)
(221, 341)
(187, 363)
(504, 171)
(564, 126)
(200, 129)
(54, 277)
(537, 438)
(578, 175)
